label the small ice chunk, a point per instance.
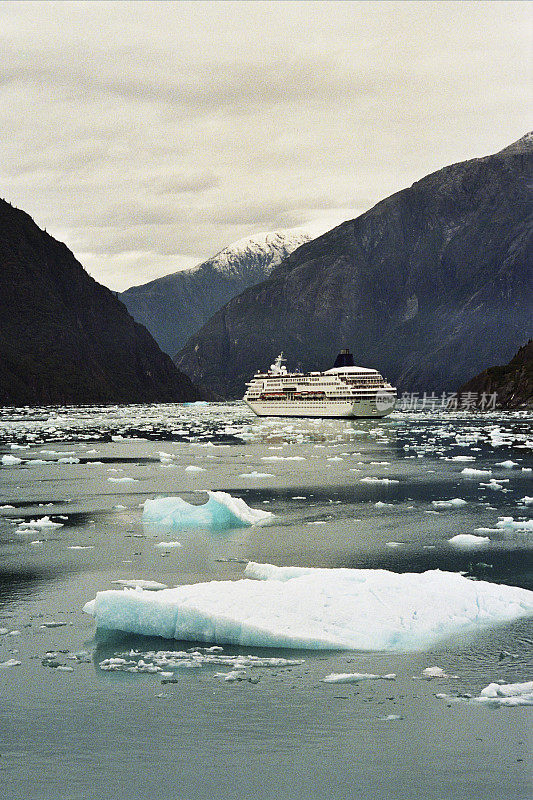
(525, 501)
(39, 524)
(456, 502)
(12, 662)
(134, 583)
(11, 461)
(194, 468)
(468, 472)
(371, 479)
(255, 474)
(122, 480)
(433, 672)
(356, 677)
(507, 694)
(507, 464)
(467, 541)
(168, 545)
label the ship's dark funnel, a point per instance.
(344, 359)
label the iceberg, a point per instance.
(222, 511)
(468, 541)
(312, 608)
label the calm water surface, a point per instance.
(72, 730)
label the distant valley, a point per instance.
(176, 306)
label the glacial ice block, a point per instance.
(316, 608)
(221, 511)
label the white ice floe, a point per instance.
(122, 480)
(496, 485)
(44, 522)
(134, 583)
(12, 662)
(467, 541)
(282, 458)
(11, 461)
(356, 677)
(508, 523)
(316, 608)
(168, 545)
(525, 501)
(371, 479)
(68, 460)
(456, 502)
(194, 468)
(507, 694)
(468, 472)
(433, 672)
(507, 464)
(221, 511)
(462, 458)
(255, 474)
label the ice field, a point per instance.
(333, 603)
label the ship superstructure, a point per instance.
(343, 391)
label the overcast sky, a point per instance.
(148, 135)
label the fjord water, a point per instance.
(73, 728)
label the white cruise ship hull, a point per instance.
(301, 408)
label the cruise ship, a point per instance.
(343, 391)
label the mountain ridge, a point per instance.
(64, 338)
(430, 286)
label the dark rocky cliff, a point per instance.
(430, 286)
(512, 383)
(176, 306)
(64, 338)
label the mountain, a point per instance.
(512, 383)
(64, 338)
(176, 306)
(431, 286)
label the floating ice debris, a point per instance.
(8, 506)
(194, 468)
(119, 507)
(468, 472)
(12, 662)
(68, 460)
(525, 501)
(11, 461)
(255, 474)
(221, 511)
(508, 523)
(122, 480)
(507, 694)
(462, 458)
(356, 677)
(39, 524)
(20, 446)
(507, 464)
(467, 541)
(381, 504)
(378, 480)
(316, 608)
(494, 484)
(433, 672)
(390, 717)
(81, 547)
(456, 502)
(282, 458)
(163, 660)
(168, 545)
(53, 624)
(134, 583)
